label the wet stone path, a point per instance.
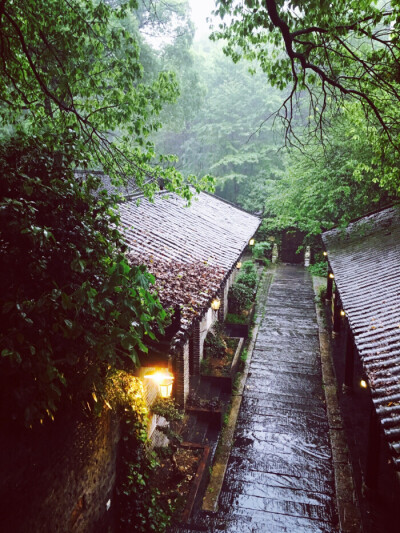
(279, 476)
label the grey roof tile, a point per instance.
(365, 259)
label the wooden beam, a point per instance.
(329, 286)
(349, 359)
(336, 312)
(373, 455)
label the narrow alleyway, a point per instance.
(279, 476)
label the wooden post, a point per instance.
(195, 349)
(336, 313)
(349, 361)
(221, 310)
(329, 286)
(373, 455)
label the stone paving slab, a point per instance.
(279, 476)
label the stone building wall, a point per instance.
(228, 285)
(182, 375)
(205, 324)
(60, 478)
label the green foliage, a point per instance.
(214, 344)
(139, 504)
(243, 359)
(167, 408)
(260, 249)
(319, 269)
(248, 267)
(248, 279)
(265, 232)
(234, 318)
(331, 184)
(325, 54)
(70, 304)
(74, 95)
(76, 68)
(240, 298)
(223, 137)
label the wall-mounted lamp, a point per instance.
(252, 242)
(164, 379)
(325, 254)
(331, 275)
(363, 384)
(216, 304)
(342, 312)
(239, 265)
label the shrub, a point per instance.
(239, 298)
(248, 279)
(71, 306)
(214, 344)
(249, 267)
(319, 269)
(261, 248)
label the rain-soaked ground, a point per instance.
(279, 476)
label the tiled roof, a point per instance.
(210, 230)
(189, 285)
(365, 259)
(204, 239)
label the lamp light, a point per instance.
(342, 312)
(216, 304)
(331, 275)
(325, 254)
(363, 384)
(252, 242)
(164, 379)
(239, 265)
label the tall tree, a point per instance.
(225, 136)
(331, 183)
(328, 51)
(76, 67)
(73, 94)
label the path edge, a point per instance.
(346, 498)
(213, 490)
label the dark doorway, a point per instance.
(291, 241)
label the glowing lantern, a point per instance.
(252, 242)
(342, 313)
(216, 304)
(239, 265)
(331, 275)
(325, 254)
(164, 379)
(363, 384)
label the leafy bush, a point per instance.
(214, 344)
(240, 297)
(167, 408)
(260, 249)
(70, 304)
(248, 279)
(319, 269)
(248, 267)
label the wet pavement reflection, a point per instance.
(280, 474)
